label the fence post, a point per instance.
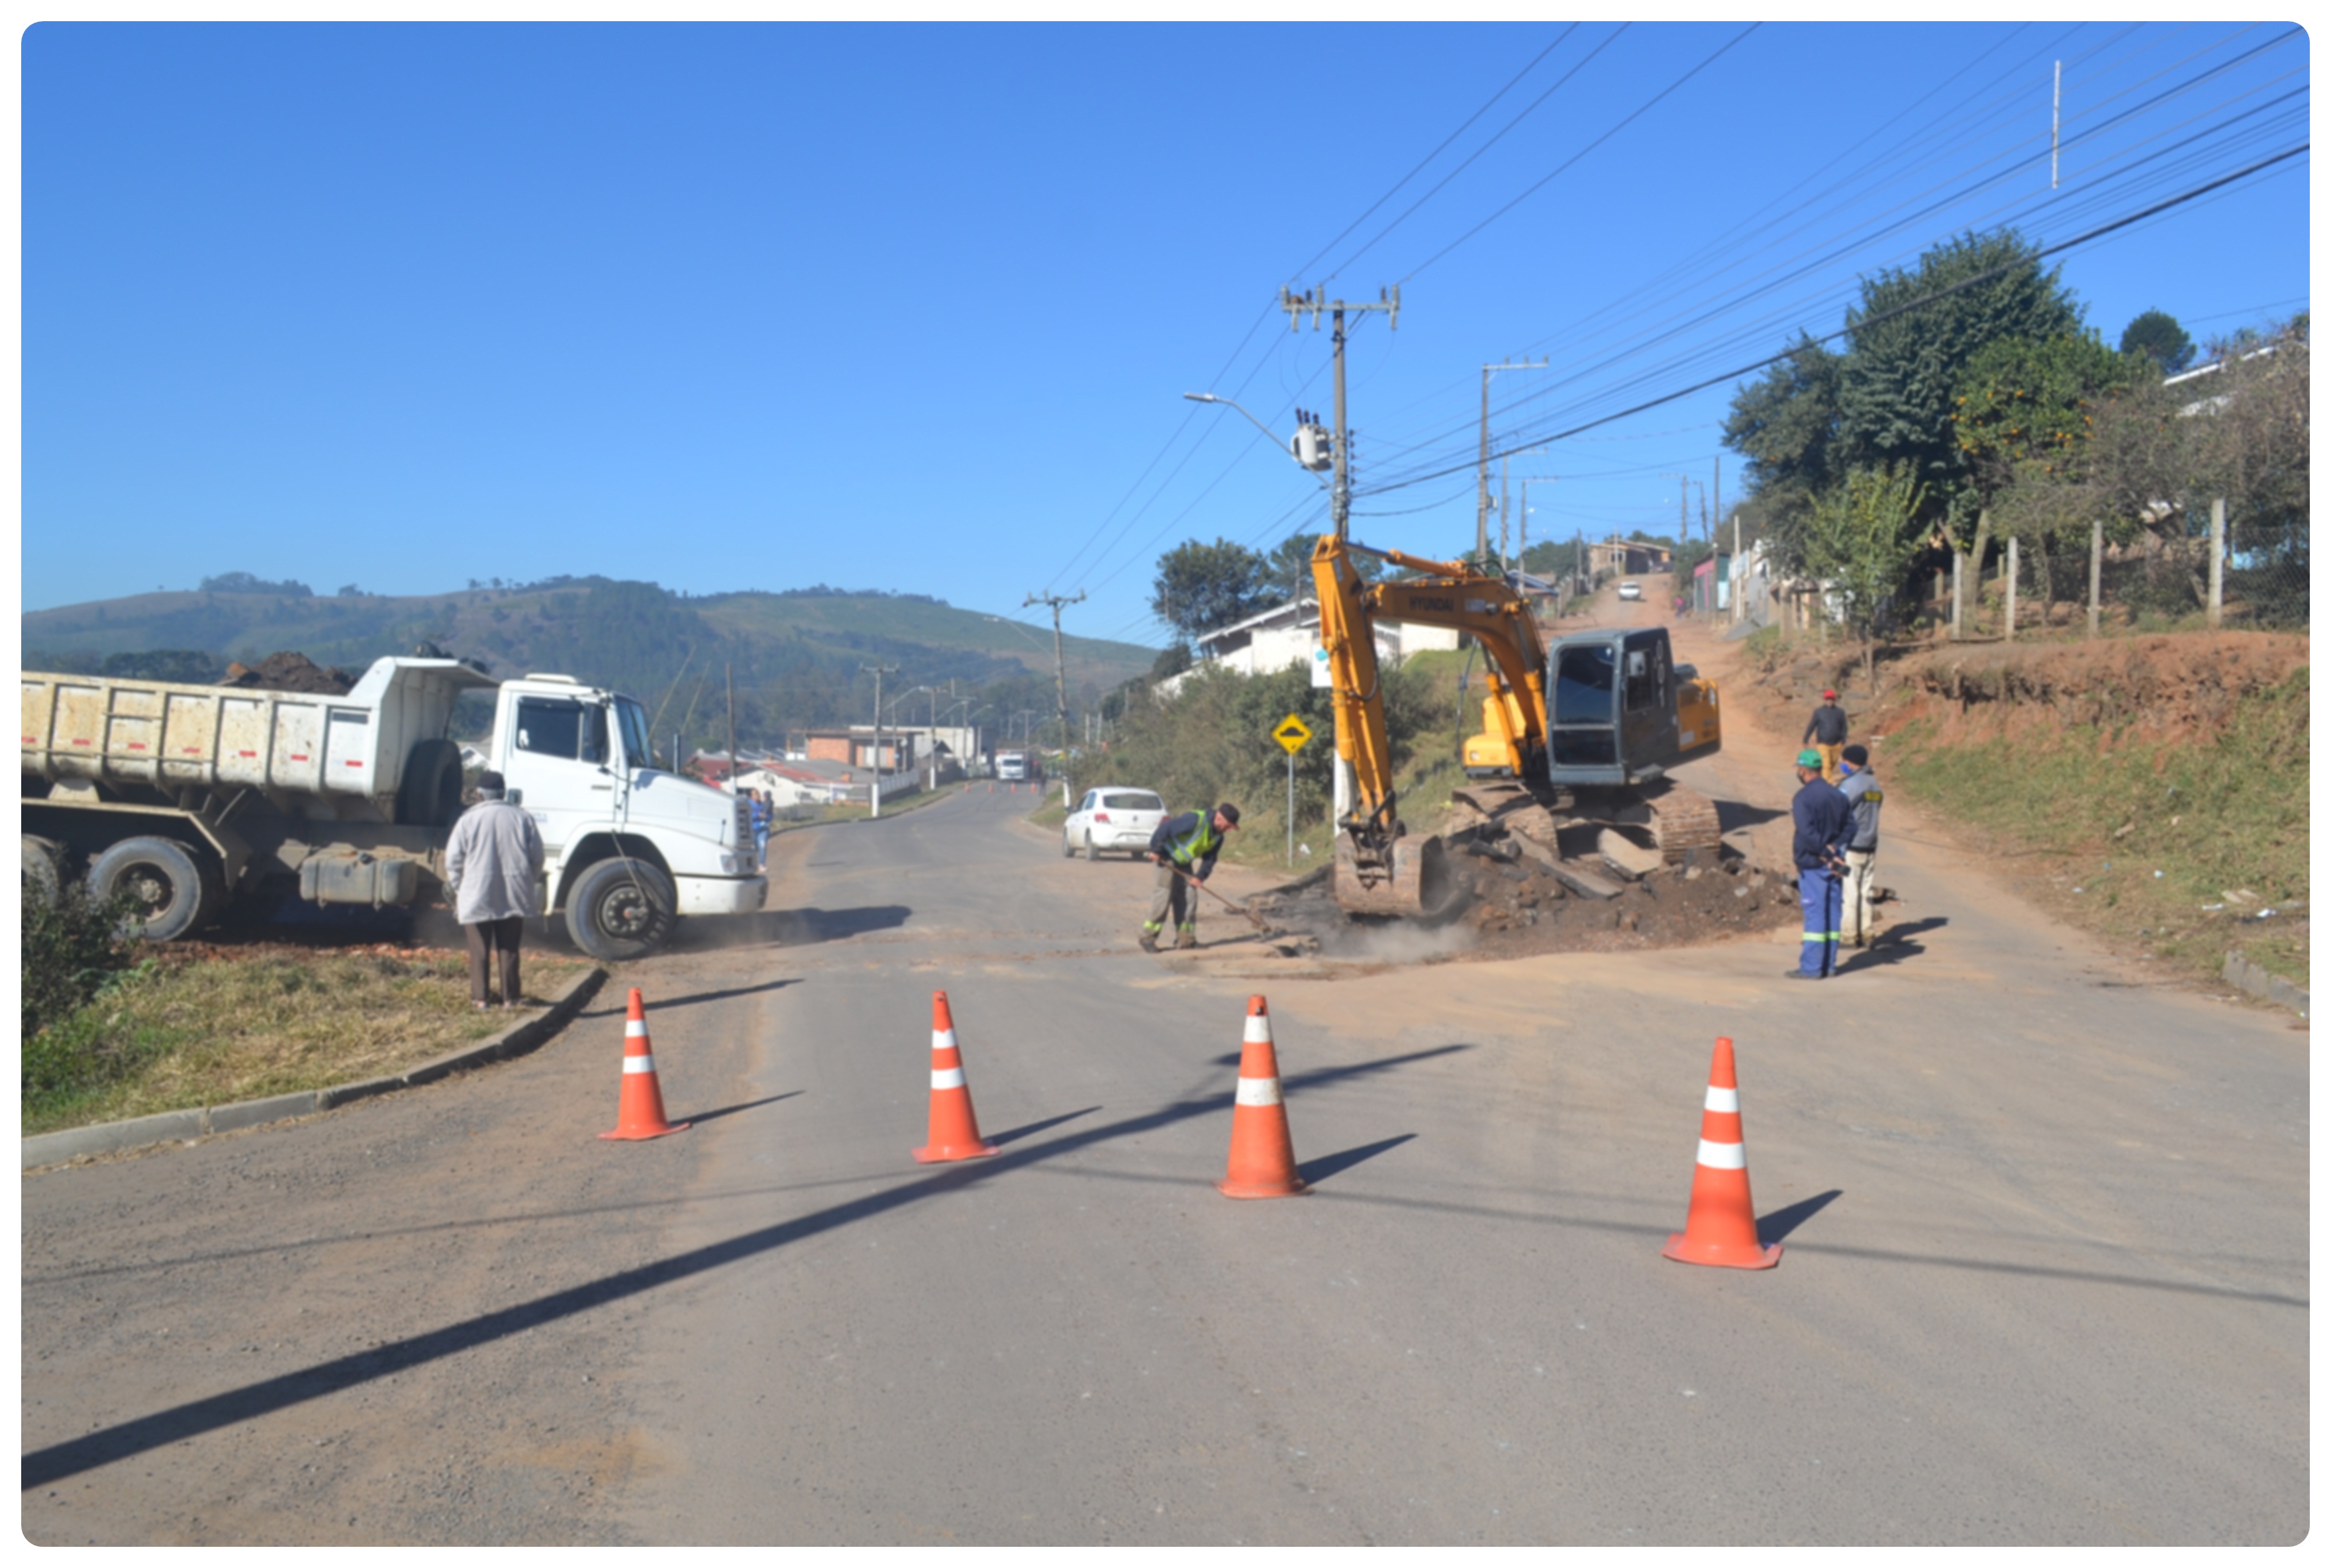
(1958, 591)
(2217, 561)
(2009, 572)
(2096, 571)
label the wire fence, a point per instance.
(2222, 571)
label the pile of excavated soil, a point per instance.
(1514, 906)
(289, 671)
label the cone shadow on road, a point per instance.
(666, 1003)
(1016, 1133)
(143, 1434)
(1314, 1172)
(702, 1117)
(1772, 1227)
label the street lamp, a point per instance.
(1309, 446)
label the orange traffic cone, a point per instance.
(1263, 1155)
(955, 1130)
(640, 1114)
(1721, 1229)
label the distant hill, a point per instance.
(796, 654)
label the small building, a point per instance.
(1287, 635)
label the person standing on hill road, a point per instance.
(1824, 824)
(493, 872)
(760, 804)
(1864, 797)
(1184, 848)
(1826, 734)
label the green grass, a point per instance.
(189, 1030)
(2228, 816)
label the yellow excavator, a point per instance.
(1579, 732)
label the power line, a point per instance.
(1866, 322)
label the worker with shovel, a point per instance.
(1184, 848)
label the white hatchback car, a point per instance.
(1117, 821)
(1629, 591)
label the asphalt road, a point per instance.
(2045, 1277)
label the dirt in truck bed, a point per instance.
(1516, 906)
(289, 671)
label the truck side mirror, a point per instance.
(514, 797)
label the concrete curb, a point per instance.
(182, 1126)
(2240, 971)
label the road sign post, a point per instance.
(1292, 735)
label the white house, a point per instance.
(1287, 635)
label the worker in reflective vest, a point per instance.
(1184, 848)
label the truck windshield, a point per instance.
(633, 721)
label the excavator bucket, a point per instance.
(1414, 882)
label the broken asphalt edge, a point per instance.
(200, 1121)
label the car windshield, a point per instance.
(1132, 801)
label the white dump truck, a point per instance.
(193, 796)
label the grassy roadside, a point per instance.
(180, 1030)
(849, 811)
(2178, 847)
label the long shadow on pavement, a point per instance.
(46, 1466)
(1315, 1172)
(1772, 1227)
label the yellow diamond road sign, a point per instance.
(1291, 733)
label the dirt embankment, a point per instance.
(2179, 688)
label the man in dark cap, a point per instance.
(493, 873)
(1826, 734)
(1862, 795)
(1184, 848)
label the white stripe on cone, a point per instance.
(639, 1064)
(1723, 1156)
(635, 1028)
(946, 1077)
(1258, 1092)
(943, 1039)
(1724, 1099)
(1258, 1029)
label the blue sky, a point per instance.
(913, 307)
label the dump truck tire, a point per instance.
(430, 793)
(42, 878)
(176, 893)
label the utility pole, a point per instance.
(1316, 301)
(874, 790)
(1481, 507)
(728, 675)
(1059, 659)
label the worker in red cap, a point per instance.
(1826, 734)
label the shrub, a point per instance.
(71, 950)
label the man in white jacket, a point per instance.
(494, 870)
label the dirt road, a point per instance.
(2045, 1276)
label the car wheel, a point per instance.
(620, 909)
(1090, 853)
(430, 793)
(174, 893)
(1067, 846)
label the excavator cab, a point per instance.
(1619, 712)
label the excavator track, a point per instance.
(1683, 819)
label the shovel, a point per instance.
(1260, 925)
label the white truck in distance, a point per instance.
(193, 796)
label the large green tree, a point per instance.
(2157, 336)
(1201, 588)
(1897, 386)
(1785, 424)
